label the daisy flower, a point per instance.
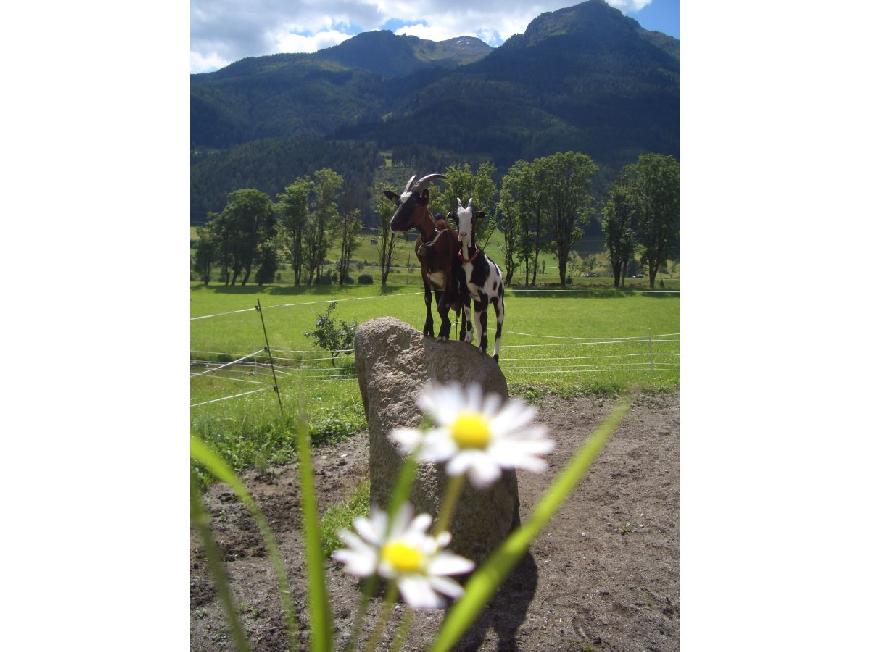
(405, 554)
(476, 433)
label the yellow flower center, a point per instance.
(471, 430)
(402, 557)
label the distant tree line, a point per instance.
(298, 227)
(541, 206)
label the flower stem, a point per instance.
(368, 589)
(448, 505)
(404, 626)
(386, 610)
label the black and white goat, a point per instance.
(482, 276)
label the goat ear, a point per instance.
(458, 203)
(424, 196)
(389, 194)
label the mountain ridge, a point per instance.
(584, 77)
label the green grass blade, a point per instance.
(199, 517)
(401, 491)
(318, 600)
(404, 483)
(221, 470)
(484, 582)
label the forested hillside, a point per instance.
(584, 78)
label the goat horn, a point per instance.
(410, 183)
(425, 181)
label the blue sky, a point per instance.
(223, 31)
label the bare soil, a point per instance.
(604, 575)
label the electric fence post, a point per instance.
(652, 363)
(259, 309)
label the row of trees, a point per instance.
(542, 206)
(642, 214)
(299, 227)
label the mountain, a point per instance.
(389, 55)
(292, 95)
(585, 78)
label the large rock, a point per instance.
(393, 362)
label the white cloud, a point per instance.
(628, 5)
(290, 42)
(206, 62)
(223, 31)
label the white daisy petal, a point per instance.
(379, 524)
(407, 439)
(366, 530)
(443, 539)
(474, 395)
(438, 445)
(483, 471)
(418, 593)
(446, 586)
(521, 455)
(514, 416)
(490, 405)
(360, 564)
(460, 462)
(446, 563)
(386, 571)
(522, 447)
(402, 519)
(535, 432)
(421, 523)
(351, 540)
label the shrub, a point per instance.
(330, 336)
(365, 279)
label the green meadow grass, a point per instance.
(565, 343)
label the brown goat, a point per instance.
(437, 249)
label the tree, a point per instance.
(317, 235)
(658, 187)
(268, 263)
(246, 221)
(384, 209)
(292, 213)
(620, 222)
(206, 253)
(349, 227)
(464, 184)
(513, 218)
(567, 179)
(524, 218)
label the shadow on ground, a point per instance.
(507, 610)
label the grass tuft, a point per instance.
(340, 517)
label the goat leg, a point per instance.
(429, 326)
(443, 310)
(480, 320)
(498, 306)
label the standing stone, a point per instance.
(394, 361)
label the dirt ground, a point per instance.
(604, 575)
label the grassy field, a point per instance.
(562, 342)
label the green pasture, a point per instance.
(561, 342)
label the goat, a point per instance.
(437, 249)
(482, 277)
